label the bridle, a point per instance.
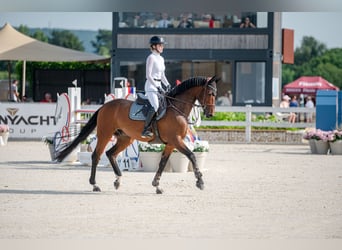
(212, 91)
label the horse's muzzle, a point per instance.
(209, 111)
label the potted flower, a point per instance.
(335, 141)
(4, 133)
(85, 144)
(201, 146)
(200, 149)
(318, 140)
(150, 155)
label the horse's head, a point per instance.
(202, 89)
(207, 96)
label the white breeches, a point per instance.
(152, 94)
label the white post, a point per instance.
(24, 79)
(248, 123)
(75, 104)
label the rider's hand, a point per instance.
(160, 90)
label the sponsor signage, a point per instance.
(29, 120)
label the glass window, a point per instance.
(192, 20)
(250, 82)
(181, 70)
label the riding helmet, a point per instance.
(157, 40)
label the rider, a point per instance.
(155, 77)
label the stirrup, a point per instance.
(147, 134)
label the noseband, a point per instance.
(210, 90)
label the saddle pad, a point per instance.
(136, 113)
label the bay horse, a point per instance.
(113, 118)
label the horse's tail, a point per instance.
(85, 131)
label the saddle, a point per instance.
(141, 106)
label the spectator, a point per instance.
(185, 23)
(164, 22)
(223, 100)
(247, 23)
(309, 104)
(294, 104)
(285, 103)
(211, 21)
(87, 101)
(47, 98)
(13, 93)
(227, 22)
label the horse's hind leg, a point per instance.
(95, 157)
(94, 161)
(122, 143)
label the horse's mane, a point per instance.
(187, 84)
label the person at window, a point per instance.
(227, 22)
(185, 23)
(155, 77)
(211, 21)
(247, 23)
(164, 22)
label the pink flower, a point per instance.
(4, 128)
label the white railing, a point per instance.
(248, 123)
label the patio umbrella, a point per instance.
(15, 46)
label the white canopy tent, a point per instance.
(15, 46)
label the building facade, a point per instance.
(247, 59)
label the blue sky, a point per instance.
(323, 26)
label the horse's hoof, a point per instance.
(159, 191)
(155, 183)
(116, 184)
(96, 189)
(200, 185)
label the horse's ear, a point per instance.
(57, 95)
(217, 79)
(212, 79)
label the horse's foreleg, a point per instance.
(197, 172)
(159, 172)
(94, 161)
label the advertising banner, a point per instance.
(29, 120)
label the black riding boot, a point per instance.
(147, 133)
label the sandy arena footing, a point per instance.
(251, 192)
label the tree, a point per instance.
(66, 39)
(103, 43)
(328, 66)
(24, 29)
(309, 48)
(39, 35)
